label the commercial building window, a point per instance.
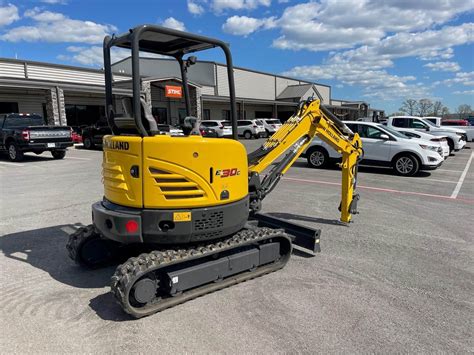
(160, 114)
(263, 114)
(206, 114)
(226, 115)
(84, 115)
(8, 107)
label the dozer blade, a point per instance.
(301, 236)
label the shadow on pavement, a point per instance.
(29, 157)
(107, 308)
(45, 249)
(379, 170)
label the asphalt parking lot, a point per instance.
(398, 279)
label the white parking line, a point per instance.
(13, 164)
(462, 177)
(77, 158)
(451, 171)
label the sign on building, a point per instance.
(173, 91)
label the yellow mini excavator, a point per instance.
(194, 202)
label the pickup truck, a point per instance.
(438, 122)
(456, 137)
(20, 133)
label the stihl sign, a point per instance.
(173, 91)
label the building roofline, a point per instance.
(235, 67)
(54, 65)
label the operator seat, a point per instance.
(126, 122)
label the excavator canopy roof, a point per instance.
(166, 41)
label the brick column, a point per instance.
(146, 91)
(196, 101)
(55, 107)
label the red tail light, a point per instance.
(25, 135)
(254, 126)
(131, 226)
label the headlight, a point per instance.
(429, 147)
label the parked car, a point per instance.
(440, 141)
(222, 128)
(24, 132)
(462, 123)
(250, 128)
(170, 129)
(76, 134)
(208, 132)
(382, 146)
(271, 125)
(92, 135)
(456, 137)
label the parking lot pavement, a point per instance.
(397, 279)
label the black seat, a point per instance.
(126, 122)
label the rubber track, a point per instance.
(77, 239)
(127, 274)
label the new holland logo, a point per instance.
(116, 145)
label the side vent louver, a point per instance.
(175, 186)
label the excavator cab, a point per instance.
(169, 177)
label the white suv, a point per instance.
(382, 146)
(271, 125)
(250, 128)
(456, 137)
(222, 128)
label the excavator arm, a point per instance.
(291, 140)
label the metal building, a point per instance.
(75, 95)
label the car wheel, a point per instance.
(87, 141)
(451, 146)
(318, 157)
(14, 153)
(406, 165)
(248, 135)
(58, 154)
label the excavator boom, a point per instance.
(292, 139)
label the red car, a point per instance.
(454, 123)
(76, 137)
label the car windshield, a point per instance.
(429, 122)
(273, 121)
(393, 132)
(226, 123)
(259, 123)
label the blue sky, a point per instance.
(379, 51)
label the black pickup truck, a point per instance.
(20, 133)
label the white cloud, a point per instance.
(195, 8)
(465, 92)
(56, 27)
(461, 78)
(8, 14)
(443, 66)
(221, 5)
(243, 25)
(93, 55)
(54, 2)
(171, 22)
